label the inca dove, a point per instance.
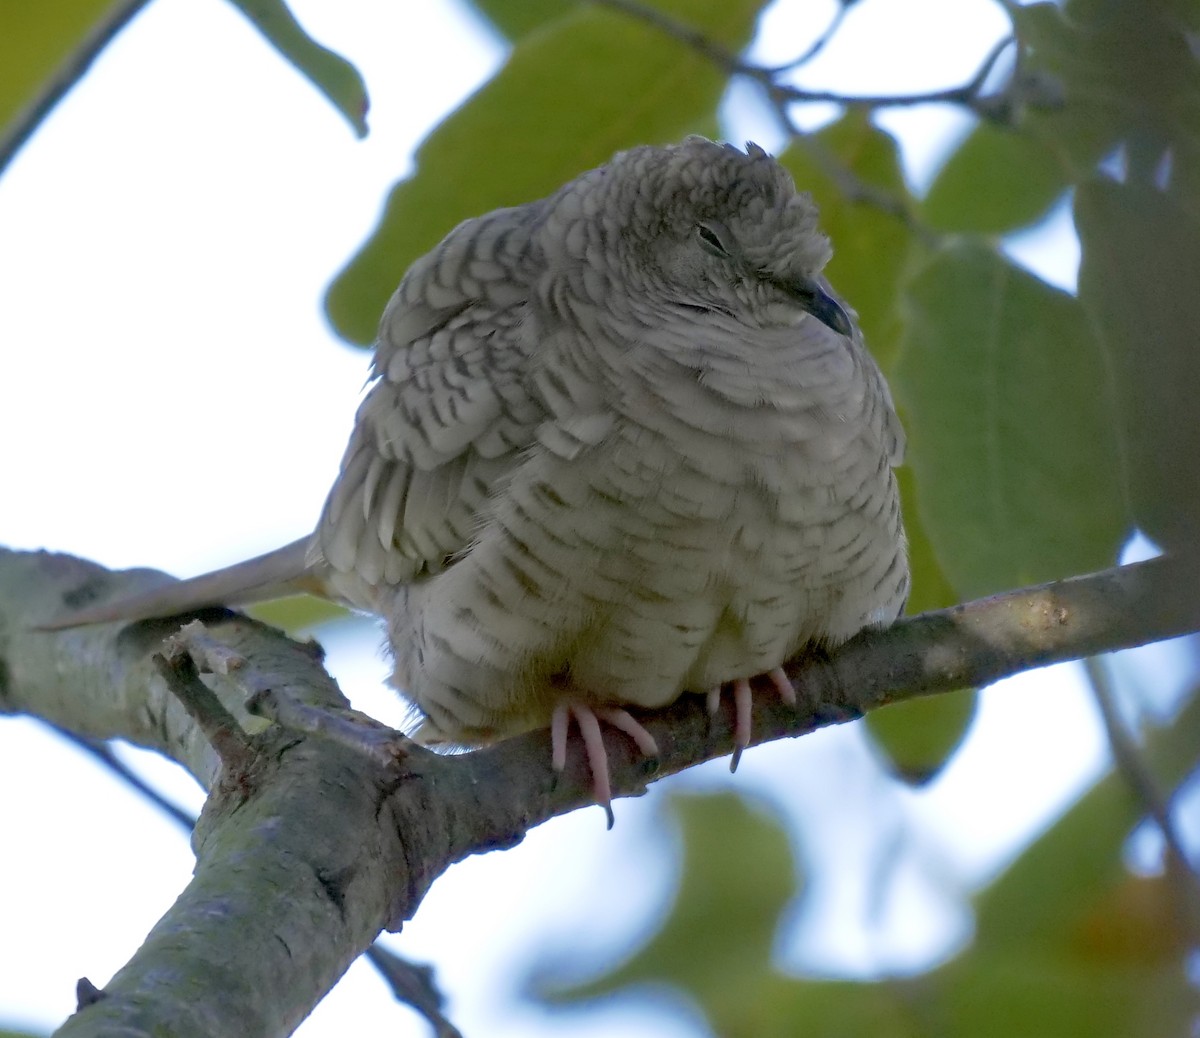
(620, 443)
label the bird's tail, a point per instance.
(284, 571)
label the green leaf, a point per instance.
(299, 614)
(569, 96)
(38, 42)
(918, 737)
(1067, 942)
(738, 873)
(873, 251)
(999, 179)
(1054, 888)
(518, 18)
(1127, 74)
(1011, 435)
(330, 73)
(872, 248)
(930, 587)
(1137, 283)
(1026, 993)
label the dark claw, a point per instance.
(828, 713)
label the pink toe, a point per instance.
(783, 685)
(559, 720)
(742, 701)
(631, 726)
(597, 756)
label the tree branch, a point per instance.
(968, 94)
(1143, 784)
(104, 755)
(303, 858)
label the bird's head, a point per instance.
(701, 228)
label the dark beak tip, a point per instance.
(820, 304)
(839, 320)
(830, 313)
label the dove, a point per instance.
(618, 444)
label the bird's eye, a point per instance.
(711, 241)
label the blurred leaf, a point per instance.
(1138, 285)
(1140, 922)
(1059, 882)
(997, 180)
(872, 249)
(1067, 942)
(1010, 426)
(330, 73)
(930, 588)
(590, 84)
(1026, 993)
(918, 737)
(1127, 73)
(37, 45)
(298, 613)
(737, 875)
(21, 1034)
(517, 18)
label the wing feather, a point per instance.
(448, 411)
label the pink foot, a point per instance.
(741, 707)
(588, 720)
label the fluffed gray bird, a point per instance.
(620, 443)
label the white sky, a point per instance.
(171, 396)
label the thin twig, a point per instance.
(363, 734)
(71, 72)
(414, 985)
(678, 30)
(1141, 781)
(818, 45)
(210, 655)
(852, 187)
(966, 94)
(103, 753)
(781, 97)
(219, 726)
(86, 993)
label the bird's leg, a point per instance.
(741, 707)
(588, 721)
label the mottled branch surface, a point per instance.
(308, 847)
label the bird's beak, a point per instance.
(815, 300)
